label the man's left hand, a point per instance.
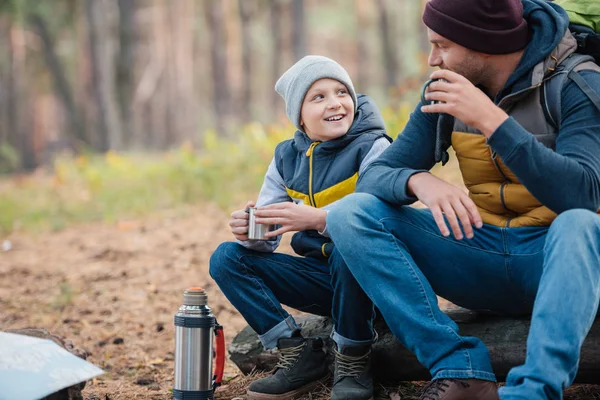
(291, 217)
(464, 101)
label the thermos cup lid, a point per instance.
(195, 296)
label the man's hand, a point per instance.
(461, 99)
(239, 222)
(291, 217)
(442, 199)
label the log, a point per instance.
(505, 339)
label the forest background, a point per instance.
(133, 105)
(129, 129)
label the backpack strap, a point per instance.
(552, 86)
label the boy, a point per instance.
(339, 134)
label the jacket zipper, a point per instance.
(309, 153)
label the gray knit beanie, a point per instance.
(296, 81)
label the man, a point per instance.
(533, 196)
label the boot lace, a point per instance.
(435, 389)
(289, 356)
(350, 366)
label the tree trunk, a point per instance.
(185, 108)
(298, 29)
(246, 98)
(505, 339)
(101, 53)
(76, 128)
(125, 67)
(389, 55)
(362, 46)
(277, 41)
(221, 92)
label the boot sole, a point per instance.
(294, 394)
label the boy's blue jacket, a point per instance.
(320, 173)
(560, 178)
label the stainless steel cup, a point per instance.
(424, 91)
(256, 231)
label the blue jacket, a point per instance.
(320, 173)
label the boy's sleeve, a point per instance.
(378, 147)
(272, 191)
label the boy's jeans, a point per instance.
(400, 259)
(258, 283)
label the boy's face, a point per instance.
(327, 111)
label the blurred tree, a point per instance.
(246, 38)
(103, 81)
(389, 53)
(277, 52)
(362, 44)
(183, 99)
(125, 67)
(222, 97)
(16, 146)
(298, 29)
(76, 128)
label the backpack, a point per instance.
(584, 16)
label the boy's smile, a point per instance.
(327, 111)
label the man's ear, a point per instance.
(301, 123)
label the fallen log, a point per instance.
(505, 338)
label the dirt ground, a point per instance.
(112, 289)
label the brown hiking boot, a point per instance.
(460, 389)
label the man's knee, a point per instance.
(577, 222)
(577, 233)
(348, 210)
(222, 260)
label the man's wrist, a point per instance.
(413, 181)
(492, 123)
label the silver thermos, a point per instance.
(195, 329)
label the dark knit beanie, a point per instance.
(486, 26)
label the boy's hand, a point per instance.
(292, 217)
(239, 222)
(444, 199)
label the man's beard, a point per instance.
(476, 74)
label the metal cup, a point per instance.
(424, 101)
(257, 231)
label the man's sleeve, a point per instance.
(570, 176)
(410, 153)
(272, 191)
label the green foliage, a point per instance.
(120, 186)
(9, 158)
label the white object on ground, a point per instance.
(6, 245)
(32, 368)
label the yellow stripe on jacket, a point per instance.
(329, 195)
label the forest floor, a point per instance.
(112, 289)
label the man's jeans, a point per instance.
(400, 259)
(258, 283)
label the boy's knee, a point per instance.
(221, 259)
